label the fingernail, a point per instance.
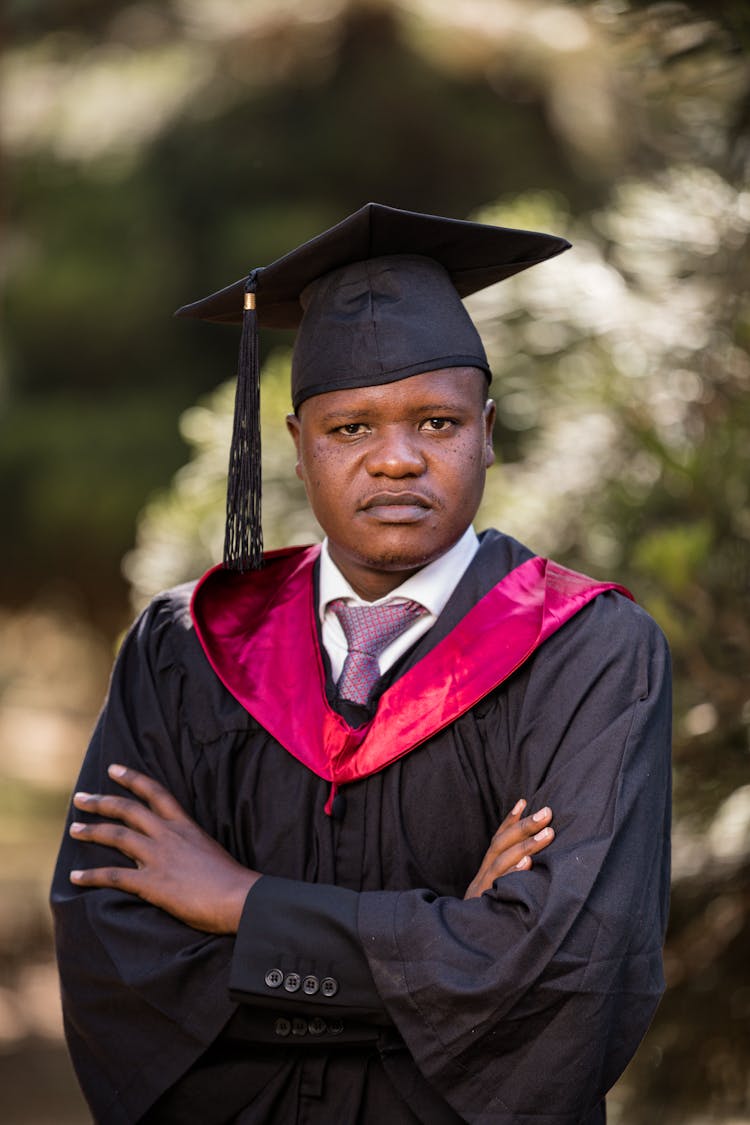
(518, 807)
(541, 814)
(117, 771)
(76, 826)
(81, 797)
(75, 876)
(543, 834)
(525, 862)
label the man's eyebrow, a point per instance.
(343, 414)
(450, 407)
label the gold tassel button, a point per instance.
(249, 301)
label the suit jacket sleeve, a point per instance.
(524, 1005)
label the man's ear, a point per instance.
(490, 412)
(293, 426)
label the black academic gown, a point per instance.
(361, 988)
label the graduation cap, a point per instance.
(374, 299)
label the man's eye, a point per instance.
(438, 423)
(352, 429)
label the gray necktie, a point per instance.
(369, 629)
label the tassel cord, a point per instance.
(243, 543)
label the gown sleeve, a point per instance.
(143, 994)
(524, 1006)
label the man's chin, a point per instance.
(398, 562)
(400, 557)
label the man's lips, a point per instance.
(397, 507)
(397, 500)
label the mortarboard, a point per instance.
(374, 299)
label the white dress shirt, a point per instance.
(431, 587)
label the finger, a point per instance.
(536, 843)
(513, 816)
(152, 792)
(132, 844)
(132, 813)
(511, 857)
(506, 836)
(117, 878)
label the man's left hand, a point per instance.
(180, 868)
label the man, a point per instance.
(277, 902)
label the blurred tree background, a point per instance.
(155, 151)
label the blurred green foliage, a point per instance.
(114, 220)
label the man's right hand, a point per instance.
(512, 847)
(179, 867)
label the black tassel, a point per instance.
(243, 542)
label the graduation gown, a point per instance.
(361, 987)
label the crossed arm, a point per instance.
(185, 872)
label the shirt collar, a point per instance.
(431, 586)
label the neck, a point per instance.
(372, 584)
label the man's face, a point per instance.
(395, 473)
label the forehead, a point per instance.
(449, 387)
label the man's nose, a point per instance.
(396, 453)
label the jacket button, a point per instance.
(335, 1027)
(282, 1027)
(292, 982)
(310, 985)
(299, 1026)
(317, 1026)
(329, 986)
(274, 978)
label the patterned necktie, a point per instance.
(368, 630)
